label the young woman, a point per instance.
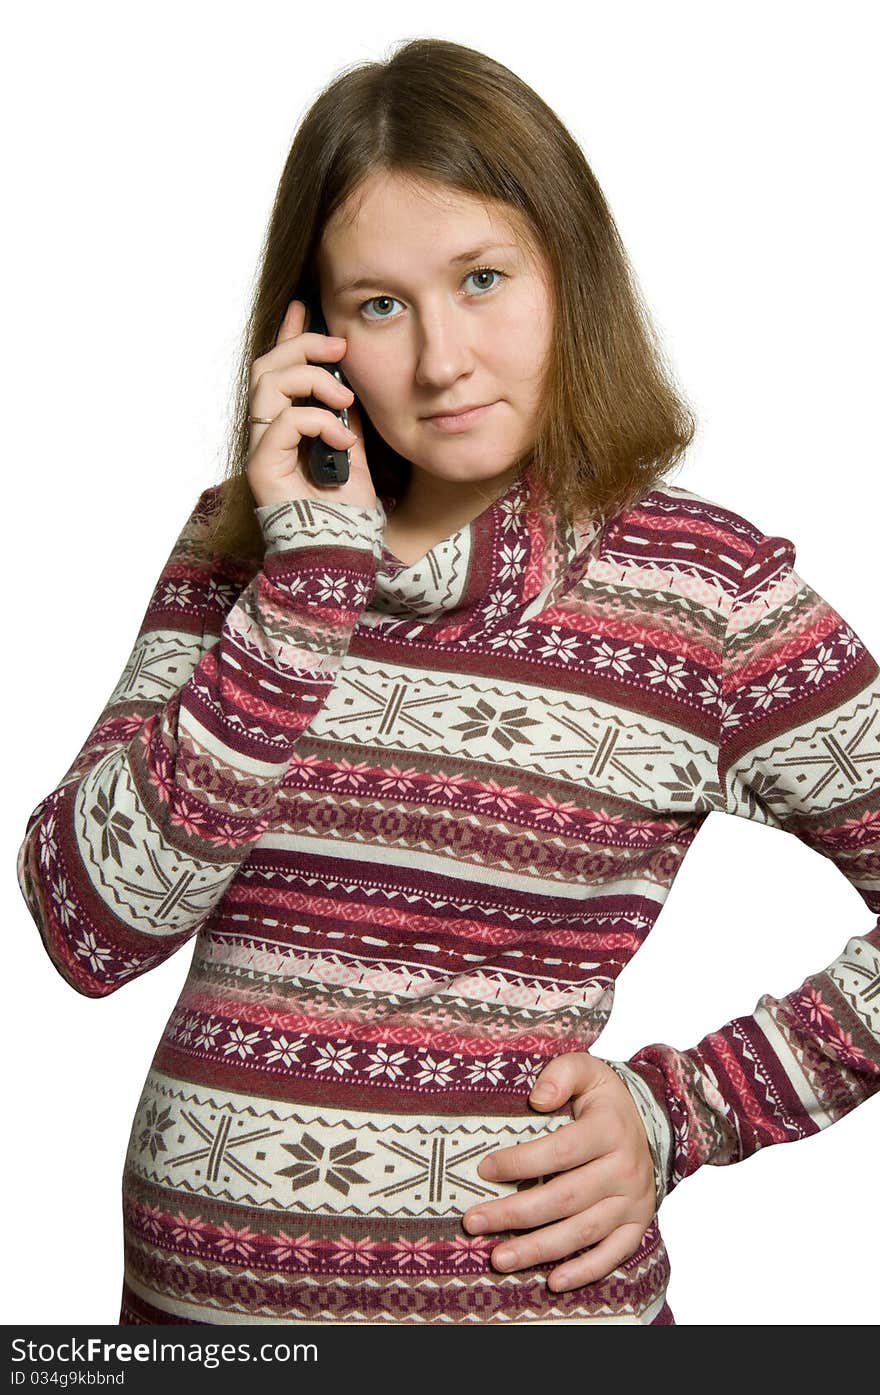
(414, 760)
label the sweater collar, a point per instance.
(494, 564)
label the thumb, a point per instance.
(562, 1077)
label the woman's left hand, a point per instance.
(602, 1193)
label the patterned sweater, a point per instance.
(416, 819)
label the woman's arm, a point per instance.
(178, 778)
(799, 750)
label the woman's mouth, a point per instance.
(460, 421)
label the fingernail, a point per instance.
(543, 1094)
(477, 1222)
(505, 1259)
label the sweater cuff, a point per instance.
(656, 1122)
(319, 523)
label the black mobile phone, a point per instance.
(328, 465)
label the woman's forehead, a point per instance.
(424, 213)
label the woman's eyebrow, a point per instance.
(365, 282)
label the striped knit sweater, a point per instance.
(416, 820)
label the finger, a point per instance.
(561, 1196)
(292, 324)
(599, 1262)
(313, 421)
(558, 1197)
(292, 423)
(559, 1241)
(276, 388)
(569, 1074)
(310, 348)
(569, 1145)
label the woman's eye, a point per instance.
(485, 271)
(480, 271)
(378, 300)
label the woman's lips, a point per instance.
(462, 420)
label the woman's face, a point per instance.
(429, 333)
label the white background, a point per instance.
(737, 148)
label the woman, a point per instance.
(414, 760)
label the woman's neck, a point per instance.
(431, 510)
(432, 505)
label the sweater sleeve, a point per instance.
(798, 750)
(177, 780)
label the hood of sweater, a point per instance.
(511, 554)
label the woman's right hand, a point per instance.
(278, 468)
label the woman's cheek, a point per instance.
(372, 390)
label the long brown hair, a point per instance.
(612, 421)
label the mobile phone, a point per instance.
(328, 465)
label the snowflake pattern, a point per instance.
(556, 812)
(287, 1052)
(670, 672)
(178, 593)
(47, 843)
(351, 1251)
(765, 695)
(207, 1035)
(510, 560)
(412, 1252)
(156, 1121)
(187, 1029)
(188, 1230)
(527, 1072)
(336, 1058)
(472, 1249)
(237, 1242)
(515, 639)
(240, 1043)
(498, 800)
(294, 1249)
(818, 669)
(332, 588)
(95, 955)
(499, 603)
(491, 1071)
(334, 1165)
(386, 1063)
(604, 656)
(62, 899)
(506, 728)
(151, 1219)
(435, 1072)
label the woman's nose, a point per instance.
(443, 351)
